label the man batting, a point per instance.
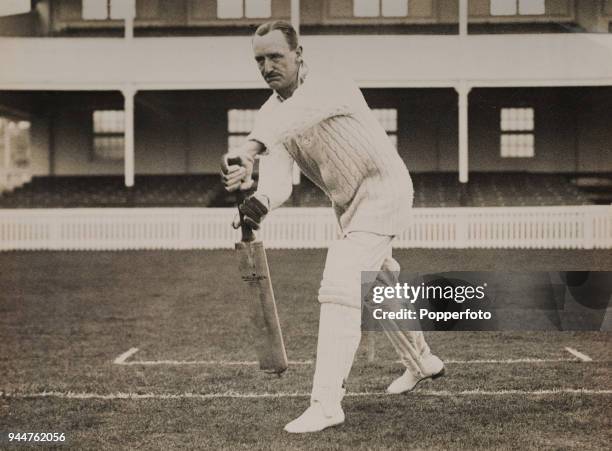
(323, 123)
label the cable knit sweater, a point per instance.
(327, 128)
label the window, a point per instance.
(108, 134)
(517, 137)
(239, 125)
(388, 119)
(377, 8)
(520, 7)
(14, 143)
(237, 9)
(107, 9)
(10, 7)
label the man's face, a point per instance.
(277, 63)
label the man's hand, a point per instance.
(236, 171)
(237, 166)
(254, 209)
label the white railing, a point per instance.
(577, 227)
(13, 178)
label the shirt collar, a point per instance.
(302, 74)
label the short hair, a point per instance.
(284, 27)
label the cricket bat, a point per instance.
(254, 270)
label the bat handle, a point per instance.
(248, 235)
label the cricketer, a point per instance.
(322, 122)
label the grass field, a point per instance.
(68, 319)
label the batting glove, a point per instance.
(254, 209)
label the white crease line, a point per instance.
(580, 355)
(123, 357)
(207, 362)
(203, 396)
(508, 361)
(310, 362)
(477, 392)
(122, 360)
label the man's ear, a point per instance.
(298, 52)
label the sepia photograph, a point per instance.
(306, 224)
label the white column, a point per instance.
(130, 14)
(463, 90)
(295, 15)
(463, 17)
(128, 98)
(296, 177)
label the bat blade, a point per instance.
(266, 330)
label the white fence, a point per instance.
(578, 227)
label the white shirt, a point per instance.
(327, 128)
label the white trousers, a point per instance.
(340, 315)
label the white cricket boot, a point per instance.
(339, 336)
(315, 419)
(433, 368)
